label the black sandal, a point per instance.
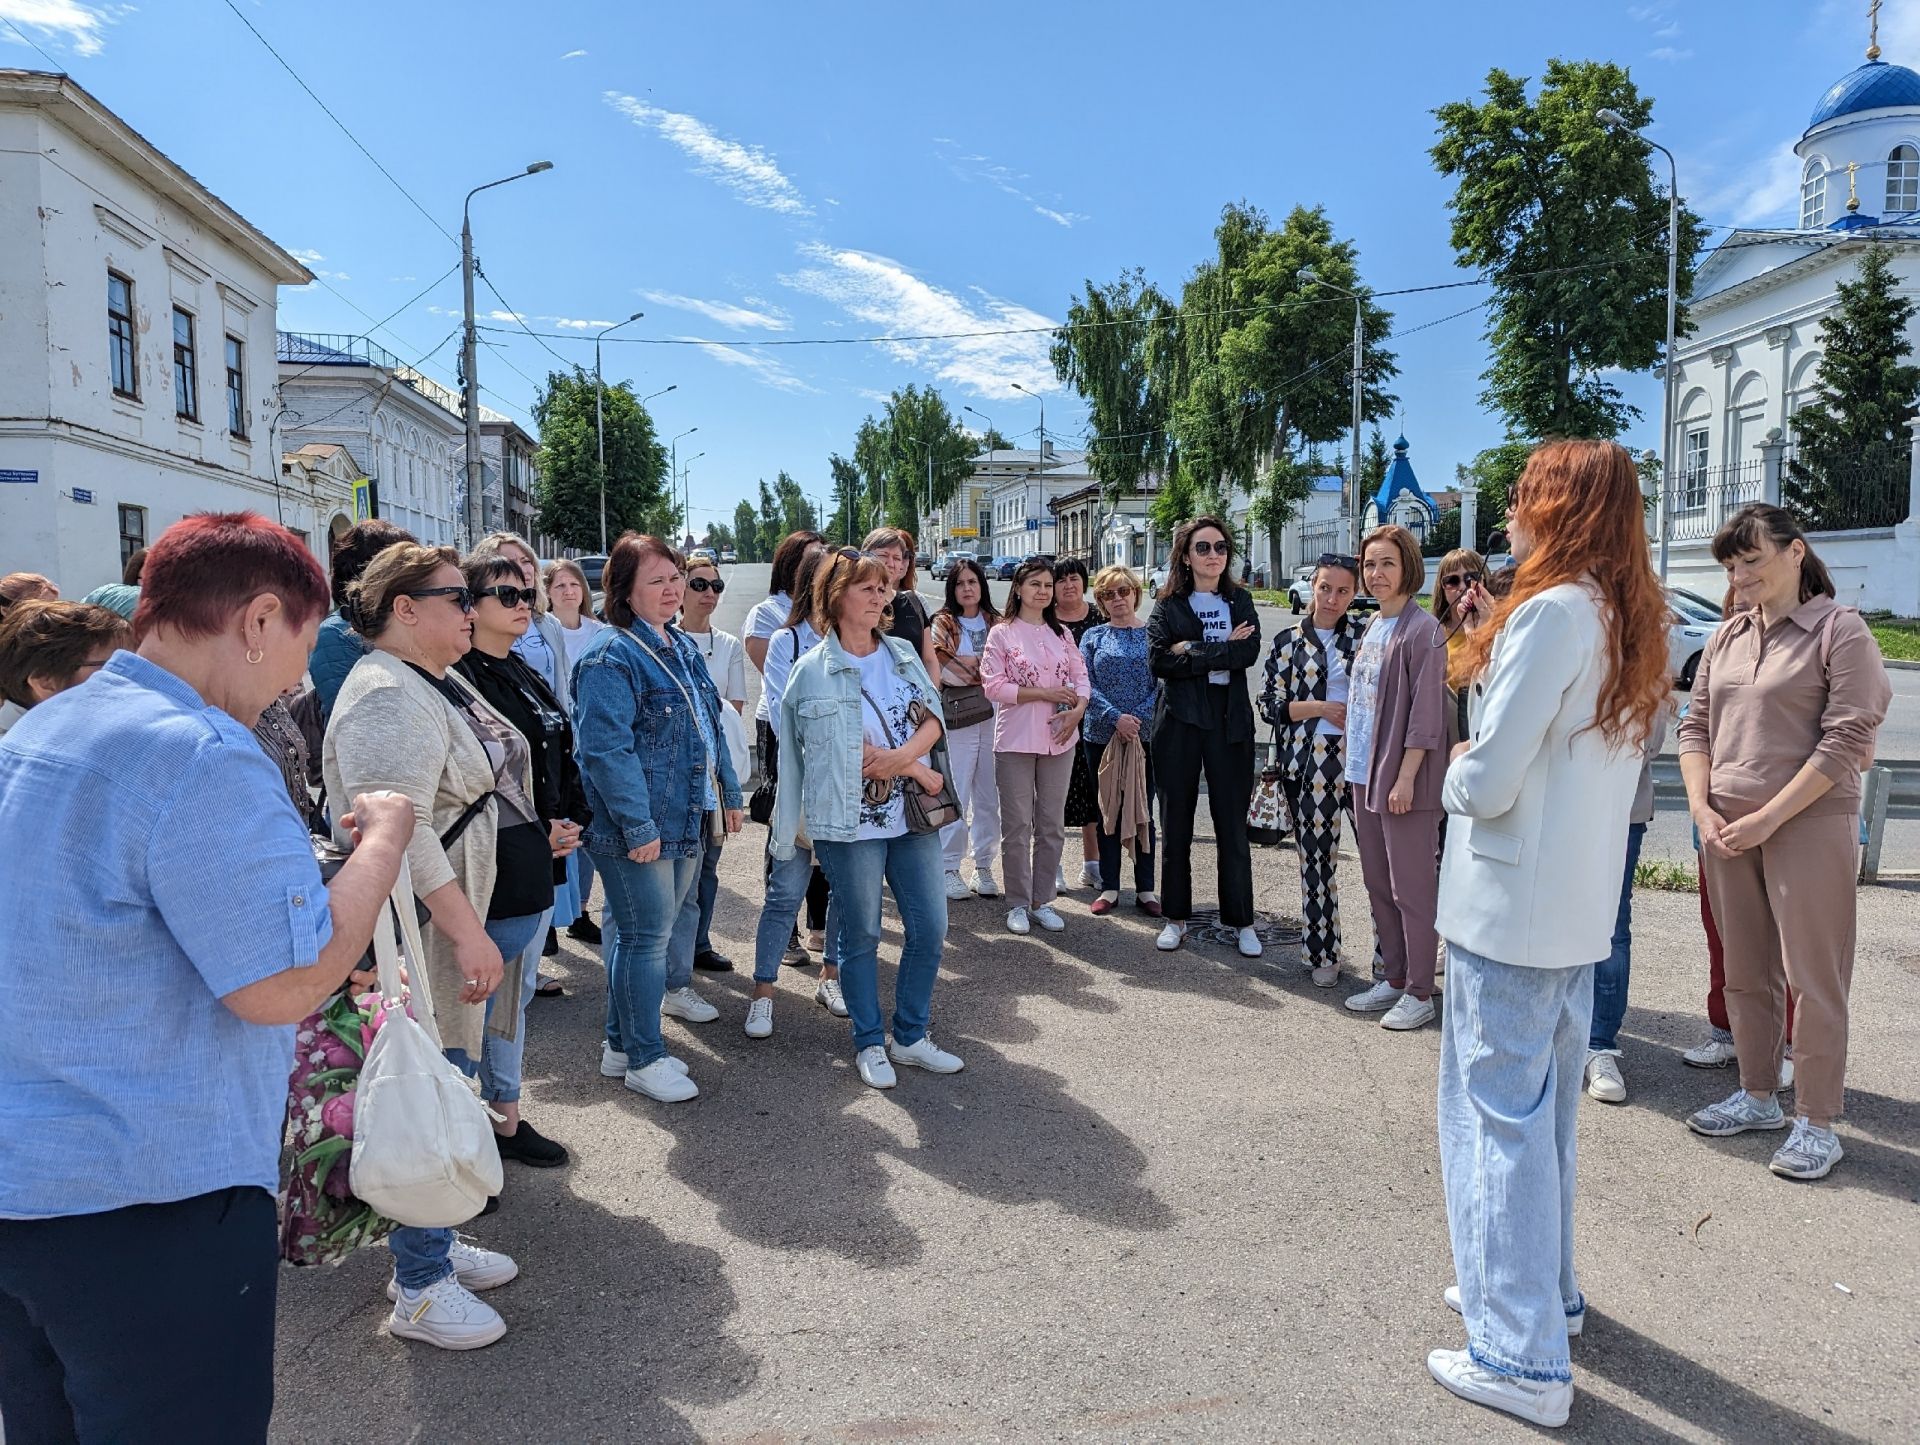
(549, 987)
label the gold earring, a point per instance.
(256, 656)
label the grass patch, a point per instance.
(1269, 596)
(1665, 877)
(1899, 637)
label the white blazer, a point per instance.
(1539, 805)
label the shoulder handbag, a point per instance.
(962, 704)
(423, 1147)
(1267, 821)
(926, 812)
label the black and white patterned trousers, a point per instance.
(1316, 797)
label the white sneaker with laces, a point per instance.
(829, 997)
(926, 1055)
(1017, 922)
(874, 1068)
(1171, 936)
(1250, 945)
(1378, 999)
(685, 1003)
(474, 1267)
(1736, 1114)
(613, 1064)
(1603, 1078)
(1407, 1013)
(1544, 1402)
(983, 882)
(1716, 1053)
(1048, 919)
(446, 1313)
(1809, 1153)
(1575, 1323)
(957, 888)
(759, 1023)
(661, 1080)
(1090, 876)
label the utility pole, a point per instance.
(1359, 402)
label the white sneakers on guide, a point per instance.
(661, 1080)
(925, 1055)
(1171, 936)
(1407, 1013)
(685, 1003)
(1048, 919)
(1544, 1402)
(759, 1024)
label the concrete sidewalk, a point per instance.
(1173, 1196)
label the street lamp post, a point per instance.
(471, 512)
(1041, 450)
(989, 421)
(1359, 398)
(673, 466)
(599, 421)
(686, 492)
(1613, 120)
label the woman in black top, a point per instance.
(1076, 614)
(894, 546)
(1201, 639)
(532, 855)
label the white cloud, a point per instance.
(573, 55)
(746, 170)
(723, 313)
(403, 278)
(764, 368)
(985, 168)
(505, 316)
(1766, 195)
(334, 275)
(1671, 55)
(309, 256)
(79, 26)
(573, 323)
(885, 294)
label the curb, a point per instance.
(1895, 664)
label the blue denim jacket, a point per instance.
(639, 748)
(821, 736)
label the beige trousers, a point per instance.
(1033, 812)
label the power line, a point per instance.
(28, 39)
(378, 325)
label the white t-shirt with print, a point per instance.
(973, 634)
(1336, 678)
(767, 617)
(1216, 625)
(893, 695)
(1362, 693)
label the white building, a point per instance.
(1019, 485)
(1751, 358)
(137, 373)
(403, 427)
(326, 477)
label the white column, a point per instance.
(1470, 518)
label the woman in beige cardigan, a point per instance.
(405, 717)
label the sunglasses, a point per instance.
(462, 597)
(1113, 594)
(1210, 549)
(1338, 559)
(707, 584)
(510, 596)
(1460, 579)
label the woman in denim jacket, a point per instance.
(850, 744)
(647, 717)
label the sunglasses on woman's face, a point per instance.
(1113, 594)
(1459, 579)
(510, 596)
(462, 598)
(707, 584)
(1211, 549)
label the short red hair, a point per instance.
(206, 567)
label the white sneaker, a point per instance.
(613, 1063)
(1017, 922)
(1407, 1013)
(1090, 876)
(874, 1068)
(1171, 936)
(1060, 879)
(1603, 1078)
(829, 997)
(1544, 1402)
(983, 883)
(474, 1267)
(926, 1055)
(1048, 919)
(1575, 1323)
(1250, 945)
(957, 889)
(446, 1313)
(1716, 1053)
(661, 1080)
(759, 1023)
(684, 1003)
(1378, 999)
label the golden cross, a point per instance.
(1873, 23)
(1853, 196)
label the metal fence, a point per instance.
(1702, 498)
(1869, 493)
(1314, 541)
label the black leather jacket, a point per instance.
(1183, 679)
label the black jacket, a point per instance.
(522, 697)
(1183, 679)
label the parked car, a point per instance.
(728, 556)
(1300, 588)
(703, 554)
(1695, 620)
(921, 559)
(943, 564)
(1004, 567)
(593, 567)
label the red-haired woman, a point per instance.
(1568, 675)
(151, 998)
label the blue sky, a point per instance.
(846, 170)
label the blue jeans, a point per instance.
(1611, 974)
(420, 1255)
(709, 889)
(1513, 1051)
(500, 1058)
(646, 900)
(786, 891)
(911, 866)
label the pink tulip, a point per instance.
(338, 1054)
(337, 1185)
(337, 1114)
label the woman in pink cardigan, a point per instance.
(1032, 669)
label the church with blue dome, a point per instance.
(1751, 356)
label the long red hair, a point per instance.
(1578, 502)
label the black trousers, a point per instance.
(1181, 753)
(149, 1323)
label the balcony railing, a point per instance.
(311, 349)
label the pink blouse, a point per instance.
(1025, 654)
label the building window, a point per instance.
(1903, 180)
(186, 382)
(237, 387)
(120, 344)
(133, 531)
(1693, 463)
(1813, 195)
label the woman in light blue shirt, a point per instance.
(152, 997)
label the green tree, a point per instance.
(567, 490)
(891, 457)
(1281, 493)
(720, 537)
(1374, 462)
(1564, 219)
(1444, 535)
(1491, 476)
(842, 524)
(797, 514)
(771, 517)
(1118, 351)
(1852, 445)
(746, 528)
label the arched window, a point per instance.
(1903, 180)
(1813, 195)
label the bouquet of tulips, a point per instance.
(321, 1222)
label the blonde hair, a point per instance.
(1108, 578)
(1458, 557)
(488, 547)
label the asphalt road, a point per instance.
(1173, 1197)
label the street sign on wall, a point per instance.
(16, 475)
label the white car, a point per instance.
(1695, 620)
(728, 556)
(1300, 588)
(1157, 579)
